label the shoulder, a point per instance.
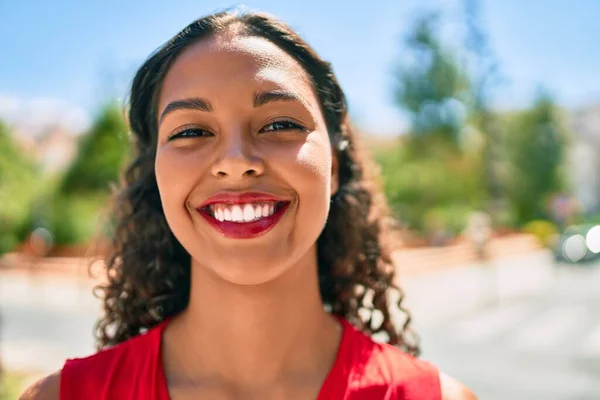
(413, 375)
(133, 350)
(47, 388)
(84, 373)
(389, 364)
(421, 376)
(454, 390)
(87, 374)
(111, 363)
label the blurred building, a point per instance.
(54, 148)
(585, 157)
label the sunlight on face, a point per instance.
(239, 115)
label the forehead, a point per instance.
(230, 62)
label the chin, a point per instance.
(247, 270)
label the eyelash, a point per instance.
(294, 125)
(181, 133)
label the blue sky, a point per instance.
(66, 57)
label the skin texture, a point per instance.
(258, 348)
(258, 280)
(239, 155)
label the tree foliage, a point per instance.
(101, 154)
(430, 82)
(18, 186)
(75, 214)
(423, 178)
(536, 144)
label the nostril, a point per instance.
(224, 169)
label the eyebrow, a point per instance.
(260, 99)
(192, 103)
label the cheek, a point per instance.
(174, 177)
(315, 160)
(312, 177)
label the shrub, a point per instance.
(76, 219)
(436, 180)
(19, 183)
(545, 231)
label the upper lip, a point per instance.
(241, 198)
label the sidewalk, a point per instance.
(436, 297)
(442, 283)
(425, 260)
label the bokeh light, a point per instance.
(574, 248)
(593, 239)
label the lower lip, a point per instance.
(245, 230)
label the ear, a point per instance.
(335, 170)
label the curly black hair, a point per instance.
(147, 269)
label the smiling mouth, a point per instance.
(244, 220)
(243, 213)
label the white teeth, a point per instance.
(248, 212)
(236, 213)
(242, 213)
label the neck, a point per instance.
(255, 334)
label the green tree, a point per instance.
(101, 154)
(430, 83)
(76, 214)
(429, 176)
(536, 143)
(18, 187)
(441, 183)
(485, 77)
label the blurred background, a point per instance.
(483, 115)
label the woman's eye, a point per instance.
(190, 133)
(283, 126)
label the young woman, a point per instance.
(251, 256)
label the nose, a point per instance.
(237, 158)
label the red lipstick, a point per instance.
(242, 229)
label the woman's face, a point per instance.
(244, 163)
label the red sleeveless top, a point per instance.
(363, 370)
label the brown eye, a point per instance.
(189, 133)
(283, 125)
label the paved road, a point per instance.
(542, 345)
(44, 320)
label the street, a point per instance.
(44, 320)
(542, 345)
